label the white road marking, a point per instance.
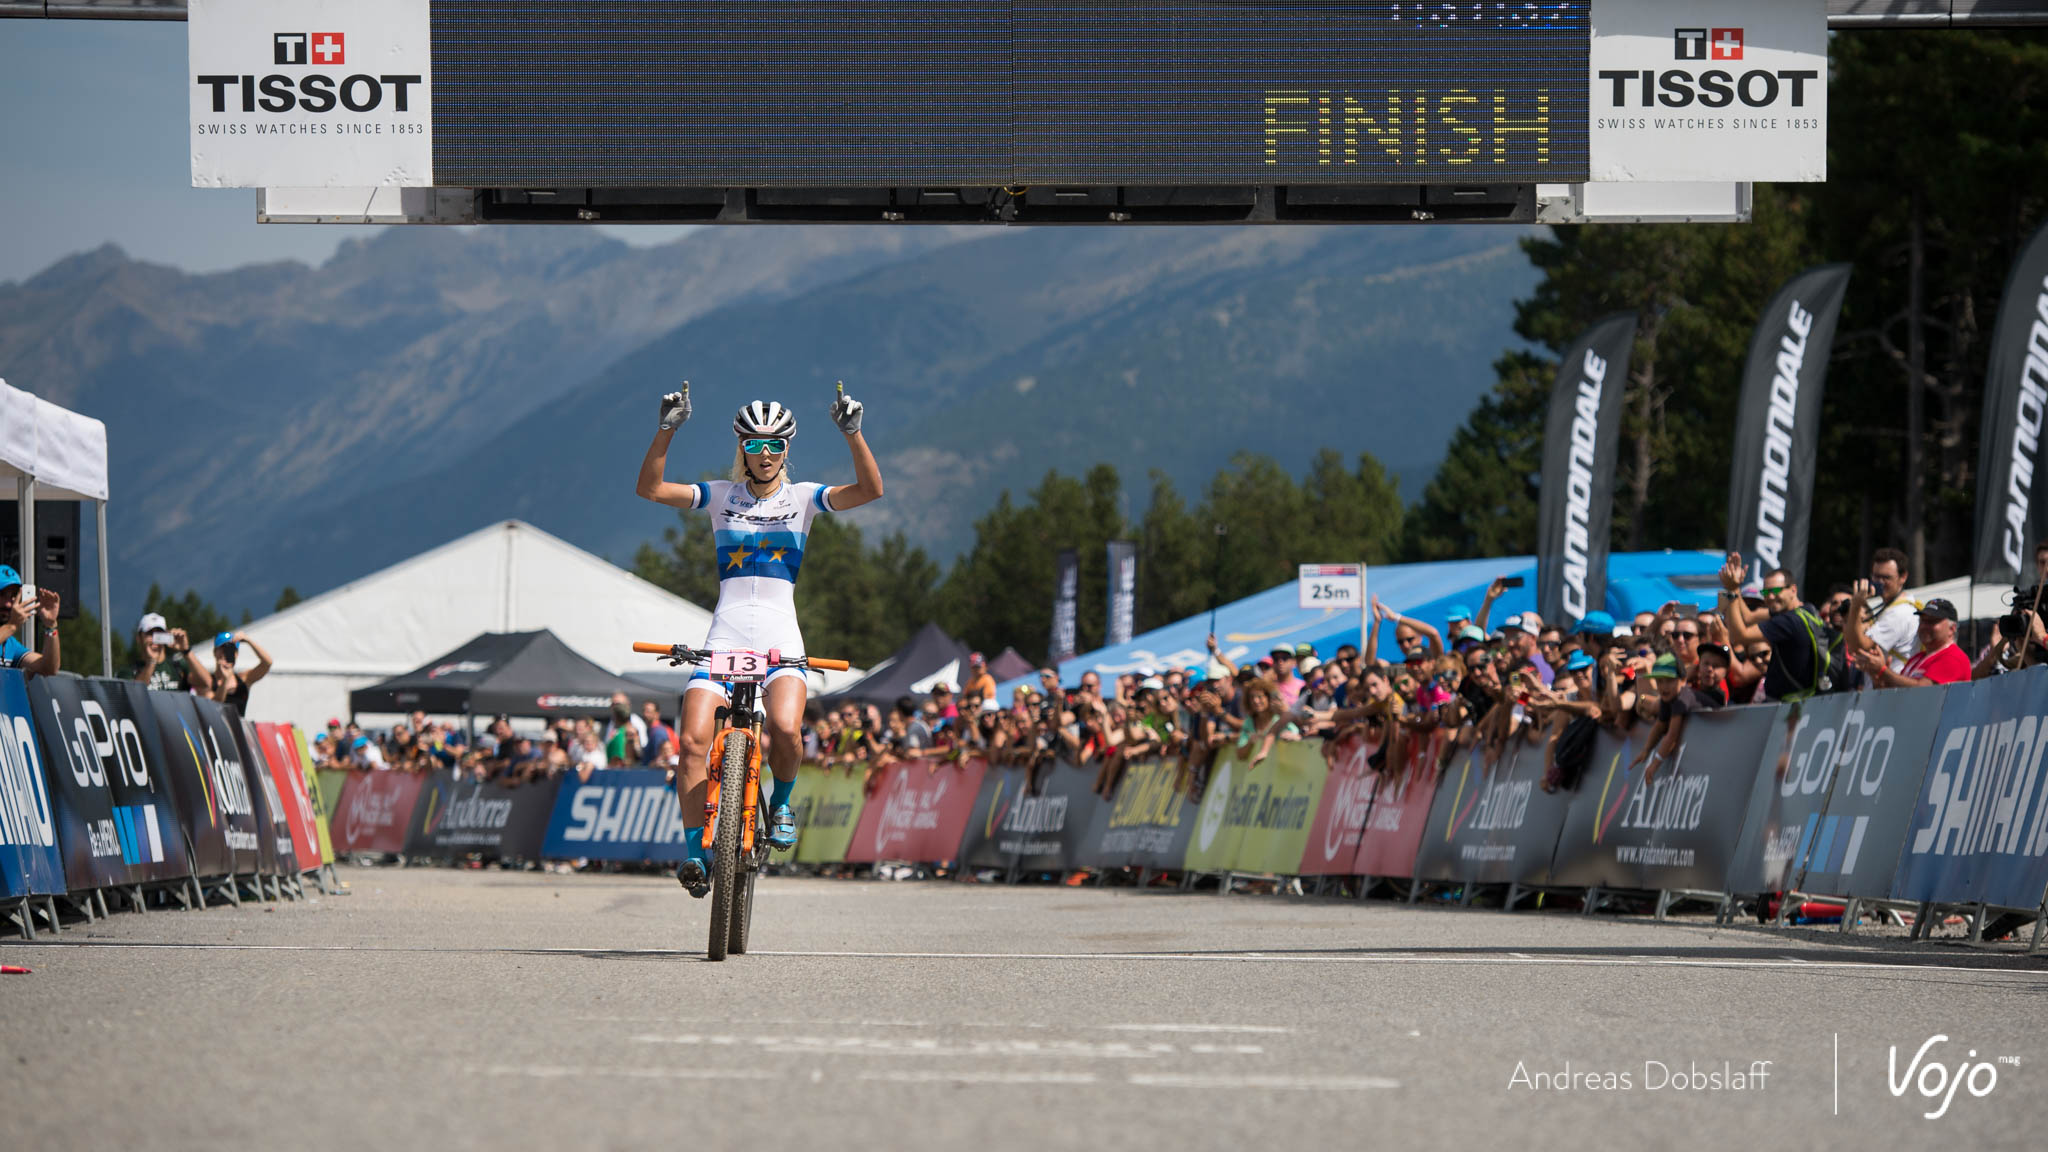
(903, 1046)
(1260, 1028)
(1286, 1083)
(563, 1071)
(981, 1077)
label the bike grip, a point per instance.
(824, 665)
(650, 646)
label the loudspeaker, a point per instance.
(57, 559)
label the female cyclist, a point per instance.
(760, 521)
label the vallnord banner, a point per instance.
(1575, 500)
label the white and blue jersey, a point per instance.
(760, 552)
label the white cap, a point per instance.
(1528, 622)
(1623, 632)
(151, 622)
(1152, 682)
(988, 704)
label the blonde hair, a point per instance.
(738, 475)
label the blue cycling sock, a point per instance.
(778, 797)
(693, 843)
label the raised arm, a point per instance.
(1493, 591)
(867, 475)
(1741, 629)
(262, 667)
(675, 409)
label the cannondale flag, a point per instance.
(1066, 603)
(2015, 396)
(1777, 423)
(1123, 591)
(1575, 504)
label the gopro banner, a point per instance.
(1123, 591)
(212, 790)
(117, 819)
(1575, 499)
(30, 864)
(457, 817)
(1066, 604)
(1979, 833)
(1685, 91)
(2015, 399)
(620, 814)
(1831, 807)
(918, 811)
(1492, 823)
(310, 93)
(1777, 424)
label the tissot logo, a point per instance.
(1725, 44)
(1686, 44)
(327, 48)
(291, 49)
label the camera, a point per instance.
(2013, 625)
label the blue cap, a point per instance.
(1457, 612)
(1577, 662)
(223, 639)
(1595, 624)
(8, 576)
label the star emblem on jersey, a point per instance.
(737, 558)
(775, 557)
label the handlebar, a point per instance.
(684, 654)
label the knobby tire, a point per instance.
(725, 845)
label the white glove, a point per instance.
(846, 413)
(675, 408)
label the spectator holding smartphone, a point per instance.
(20, 607)
(164, 659)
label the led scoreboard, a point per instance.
(1007, 93)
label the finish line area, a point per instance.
(432, 1007)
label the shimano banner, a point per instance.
(458, 817)
(30, 864)
(1575, 500)
(1123, 591)
(1840, 777)
(116, 817)
(2009, 443)
(918, 811)
(620, 814)
(1979, 832)
(1066, 604)
(1492, 822)
(1777, 423)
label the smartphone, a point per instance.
(1511, 581)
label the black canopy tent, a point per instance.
(925, 654)
(513, 673)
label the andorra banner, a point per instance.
(373, 811)
(1841, 774)
(211, 788)
(274, 830)
(1979, 832)
(1492, 822)
(918, 811)
(457, 817)
(30, 864)
(828, 803)
(1052, 829)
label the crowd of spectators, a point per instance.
(500, 754)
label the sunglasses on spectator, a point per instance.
(1550, 643)
(775, 446)
(1684, 634)
(1773, 589)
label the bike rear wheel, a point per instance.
(743, 908)
(725, 845)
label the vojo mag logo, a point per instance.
(315, 84)
(1936, 1082)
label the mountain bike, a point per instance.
(737, 854)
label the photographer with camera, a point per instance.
(165, 661)
(20, 607)
(1892, 624)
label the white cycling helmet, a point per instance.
(764, 418)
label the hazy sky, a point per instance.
(93, 141)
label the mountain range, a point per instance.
(283, 424)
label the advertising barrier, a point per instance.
(1839, 780)
(828, 803)
(1332, 842)
(279, 750)
(1677, 830)
(30, 862)
(331, 783)
(456, 817)
(1054, 829)
(323, 803)
(1398, 810)
(214, 808)
(1150, 823)
(274, 830)
(374, 810)
(116, 820)
(1979, 832)
(918, 811)
(620, 814)
(1492, 822)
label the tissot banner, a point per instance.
(1979, 833)
(1840, 777)
(1729, 90)
(1677, 829)
(310, 93)
(1575, 500)
(1123, 591)
(1777, 424)
(212, 790)
(117, 821)
(1492, 822)
(374, 810)
(2009, 519)
(918, 811)
(620, 814)
(30, 863)
(1066, 604)
(456, 817)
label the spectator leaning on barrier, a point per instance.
(1893, 624)
(1939, 661)
(232, 687)
(1676, 700)
(1797, 639)
(18, 616)
(980, 684)
(164, 659)
(1522, 636)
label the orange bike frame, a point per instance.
(752, 791)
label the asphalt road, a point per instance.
(433, 1008)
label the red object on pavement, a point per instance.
(13, 970)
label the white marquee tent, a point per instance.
(508, 577)
(53, 453)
